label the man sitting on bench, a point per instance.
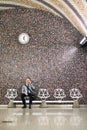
(26, 91)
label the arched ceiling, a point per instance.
(73, 10)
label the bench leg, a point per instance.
(76, 104)
(11, 104)
(43, 104)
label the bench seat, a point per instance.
(48, 101)
(43, 103)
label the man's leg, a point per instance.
(23, 100)
(30, 100)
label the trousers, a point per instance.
(24, 100)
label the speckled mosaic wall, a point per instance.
(53, 57)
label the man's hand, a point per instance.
(26, 94)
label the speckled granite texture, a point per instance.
(53, 58)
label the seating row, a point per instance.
(44, 94)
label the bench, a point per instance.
(44, 103)
(47, 101)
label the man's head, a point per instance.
(28, 80)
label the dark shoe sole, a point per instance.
(23, 107)
(29, 107)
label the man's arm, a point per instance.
(24, 90)
(32, 86)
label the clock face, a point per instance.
(23, 38)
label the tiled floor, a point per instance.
(43, 118)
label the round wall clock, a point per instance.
(23, 38)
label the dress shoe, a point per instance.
(24, 107)
(29, 106)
